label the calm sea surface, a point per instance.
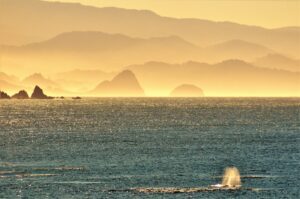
(87, 148)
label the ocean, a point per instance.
(109, 147)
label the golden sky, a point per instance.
(266, 13)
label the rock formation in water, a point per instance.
(124, 84)
(39, 94)
(4, 95)
(21, 95)
(187, 90)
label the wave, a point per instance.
(62, 168)
(16, 174)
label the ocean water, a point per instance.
(104, 148)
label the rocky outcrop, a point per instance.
(4, 95)
(125, 84)
(21, 95)
(187, 90)
(39, 94)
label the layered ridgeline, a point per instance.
(80, 46)
(109, 52)
(108, 39)
(279, 62)
(9, 83)
(112, 51)
(14, 30)
(228, 78)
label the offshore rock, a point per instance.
(4, 95)
(39, 94)
(21, 95)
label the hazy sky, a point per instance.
(267, 13)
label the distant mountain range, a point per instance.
(228, 78)
(279, 62)
(111, 52)
(82, 50)
(108, 52)
(15, 29)
(80, 80)
(39, 79)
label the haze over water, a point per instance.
(78, 49)
(149, 99)
(81, 149)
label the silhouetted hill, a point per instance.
(9, 87)
(236, 49)
(38, 79)
(8, 78)
(49, 85)
(16, 29)
(112, 51)
(98, 41)
(187, 90)
(124, 84)
(9, 83)
(279, 62)
(228, 78)
(81, 80)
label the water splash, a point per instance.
(231, 178)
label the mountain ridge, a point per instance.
(227, 78)
(124, 84)
(135, 23)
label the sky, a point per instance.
(266, 13)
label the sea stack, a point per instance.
(21, 95)
(4, 95)
(39, 94)
(187, 90)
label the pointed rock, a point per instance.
(39, 94)
(21, 95)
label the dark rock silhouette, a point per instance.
(21, 95)
(124, 84)
(187, 90)
(4, 95)
(76, 98)
(39, 94)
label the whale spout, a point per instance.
(231, 178)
